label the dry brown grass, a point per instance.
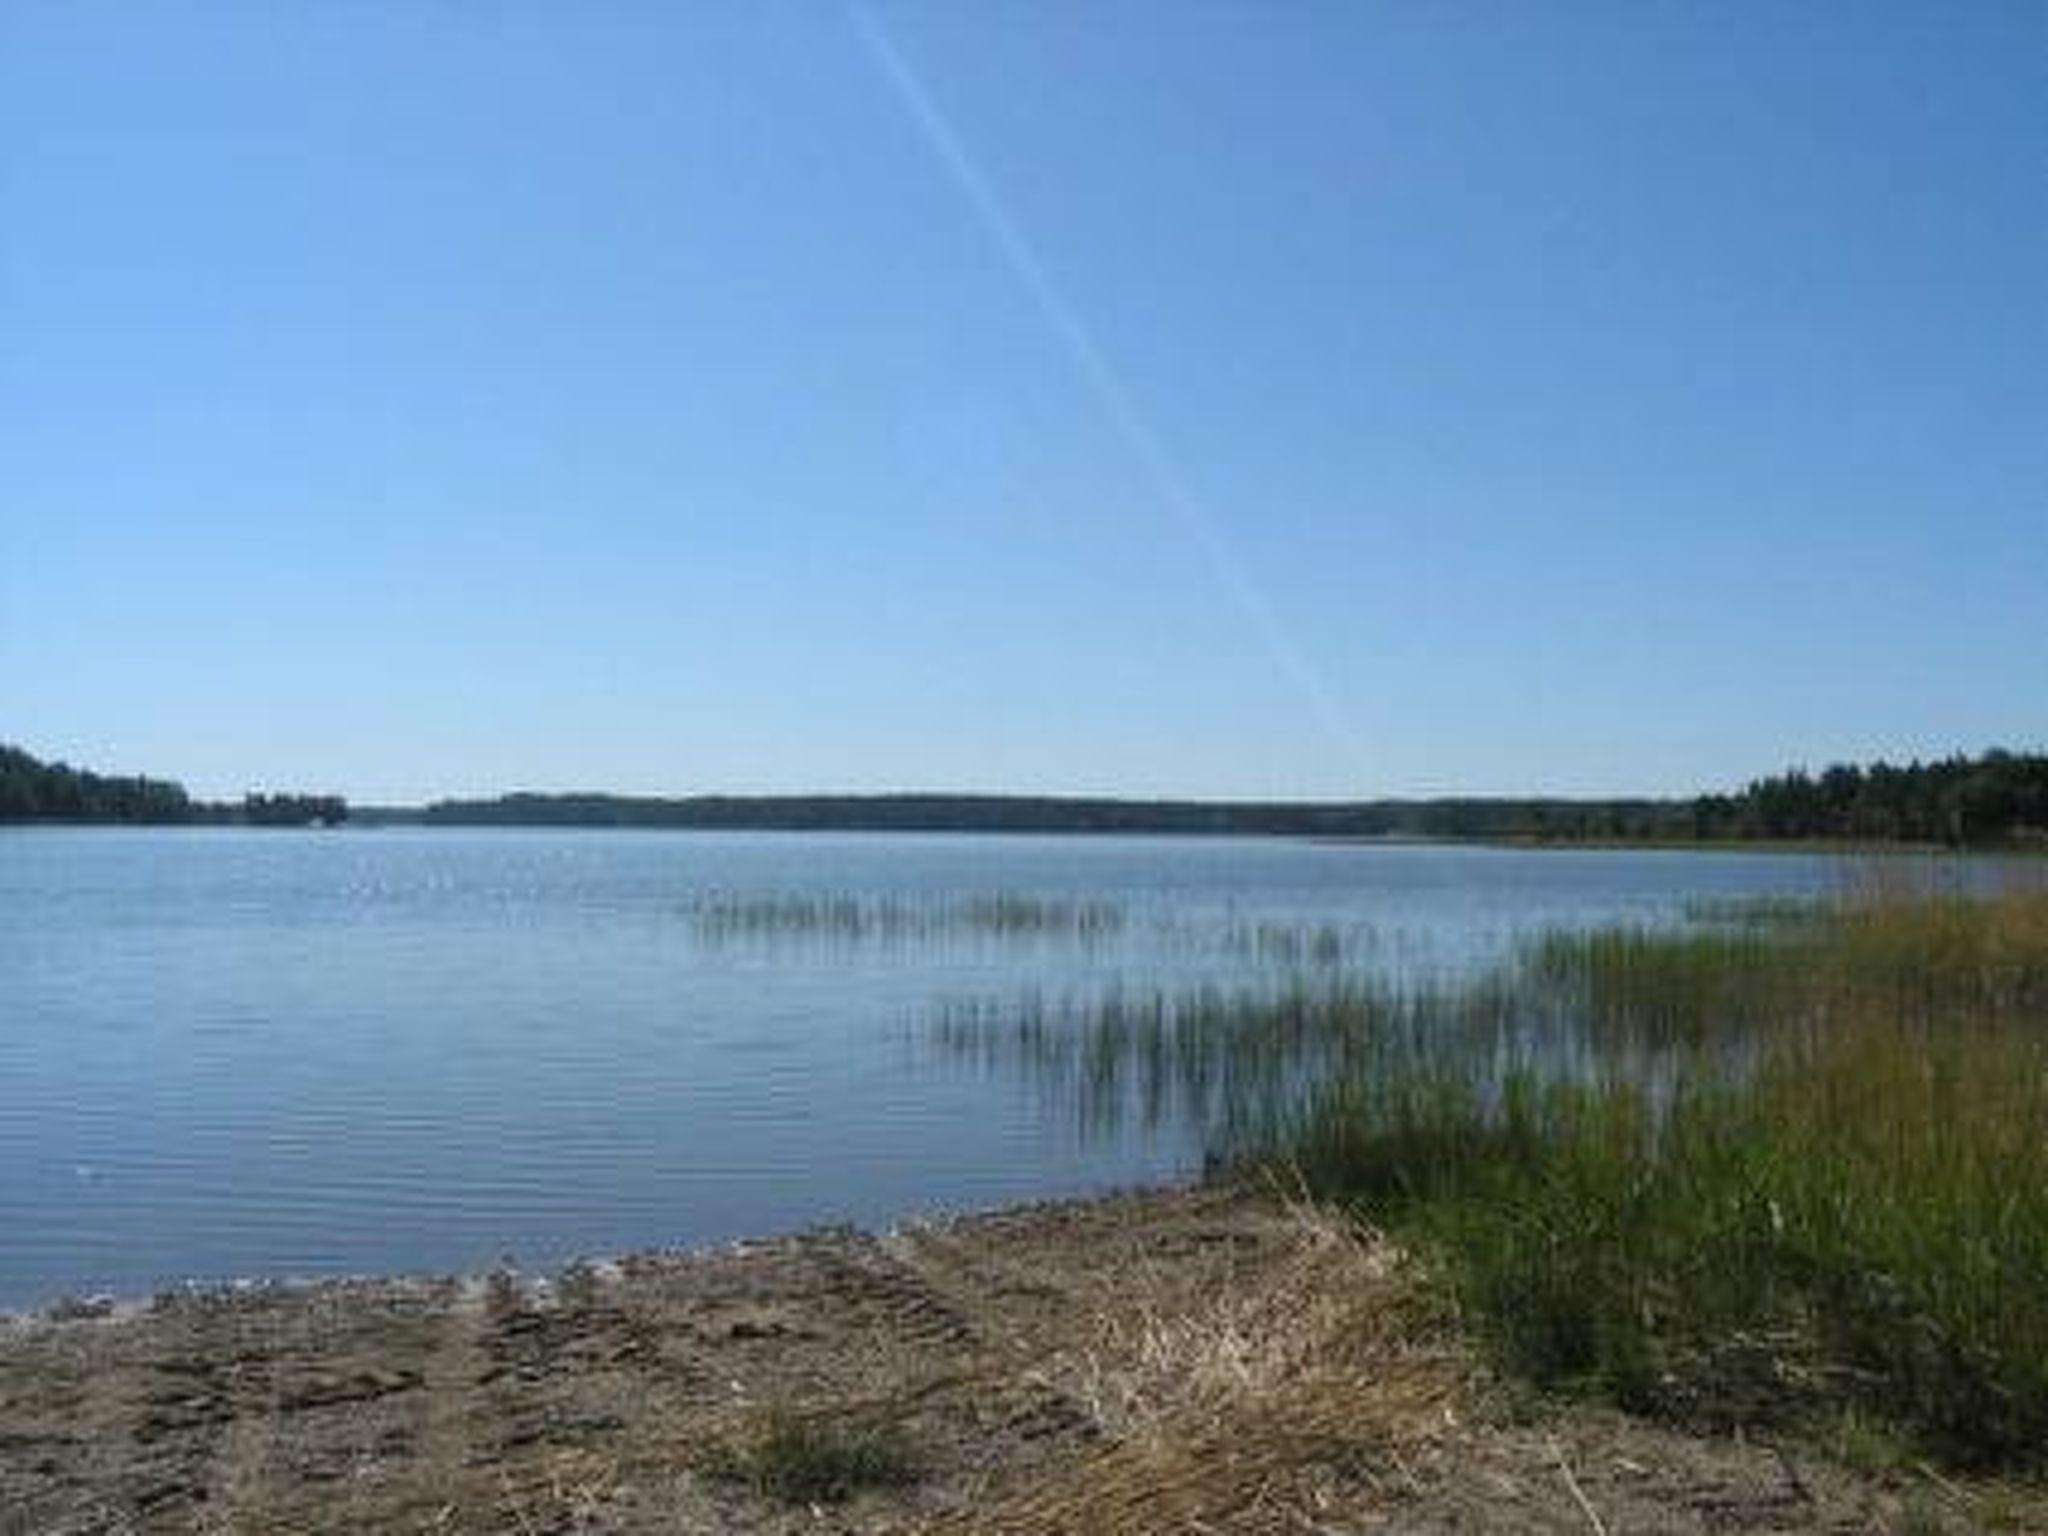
(1202, 1360)
(1287, 1390)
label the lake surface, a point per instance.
(236, 1053)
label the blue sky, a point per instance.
(1296, 400)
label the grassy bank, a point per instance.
(1798, 1175)
(1783, 1167)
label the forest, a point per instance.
(1999, 798)
(35, 791)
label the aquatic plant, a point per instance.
(729, 918)
(1836, 1199)
(1757, 1173)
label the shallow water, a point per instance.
(229, 1053)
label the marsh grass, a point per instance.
(726, 918)
(1235, 1062)
(1764, 911)
(1834, 1198)
(1268, 942)
(1776, 1172)
(1630, 989)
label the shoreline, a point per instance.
(1207, 1354)
(90, 1306)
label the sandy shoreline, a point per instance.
(1191, 1359)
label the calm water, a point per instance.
(229, 1053)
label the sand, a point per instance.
(1213, 1359)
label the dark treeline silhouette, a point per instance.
(2001, 797)
(294, 810)
(1471, 818)
(914, 813)
(32, 790)
(37, 791)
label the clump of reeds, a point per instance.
(1233, 1063)
(1636, 986)
(1832, 1197)
(1293, 944)
(1755, 911)
(1737, 1173)
(728, 918)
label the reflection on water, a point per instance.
(1636, 1000)
(1222, 1062)
(1238, 1065)
(229, 1052)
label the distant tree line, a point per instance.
(2001, 797)
(31, 790)
(1472, 818)
(37, 791)
(912, 813)
(294, 810)
(1998, 798)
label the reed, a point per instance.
(728, 918)
(1833, 1200)
(1294, 944)
(1239, 1064)
(1774, 1172)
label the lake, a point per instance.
(229, 1053)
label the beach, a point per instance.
(1213, 1358)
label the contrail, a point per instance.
(1162, 474)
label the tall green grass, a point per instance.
(1832, 1196)
(1765, 1169)
(1237, 1063)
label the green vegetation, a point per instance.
(800, 1459)
(917, 813)
(1239, 1063)
(294, 810)
(1786, 1172)
(856, 919)
(1294, 944)
(2001, 797)
(1831, 1199)
(31, 790)
(37, 791)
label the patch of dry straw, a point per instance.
(1296, 1389)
